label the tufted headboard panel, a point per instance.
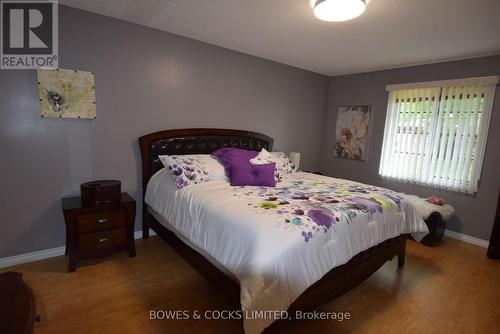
(194, 141)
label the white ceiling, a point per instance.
(391, 33)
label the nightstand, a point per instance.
(98, 231)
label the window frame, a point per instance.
(448, 100)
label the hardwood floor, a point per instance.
(451, 288)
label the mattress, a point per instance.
(277, 242)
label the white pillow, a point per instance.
(284, 165)
(263, 158)
(193, 168)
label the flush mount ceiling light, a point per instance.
(338, 10)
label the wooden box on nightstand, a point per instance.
(98, 231)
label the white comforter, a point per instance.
(279, 241)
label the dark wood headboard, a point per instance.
(194, 141)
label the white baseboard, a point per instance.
(138, 234)
(467, 238)
(58, 251)
(46, 253)
(33, 256)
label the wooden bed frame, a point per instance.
(204, 141)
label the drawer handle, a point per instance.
(102, 221)
(103, 240)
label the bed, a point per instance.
(226, 233)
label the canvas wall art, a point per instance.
(351, 132)
(66, 93)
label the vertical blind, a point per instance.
(436, 136)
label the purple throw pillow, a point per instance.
(241, 172)
(264, 175)
(229, 156)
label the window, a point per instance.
(435, 133)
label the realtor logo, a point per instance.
(29, 34)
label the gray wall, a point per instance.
(146, 80)
(474, 214)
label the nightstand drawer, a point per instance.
(102, 220)
(102, 240)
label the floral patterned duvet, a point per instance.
(279, 241)
(313, 205)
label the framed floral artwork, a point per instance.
(351, 132)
